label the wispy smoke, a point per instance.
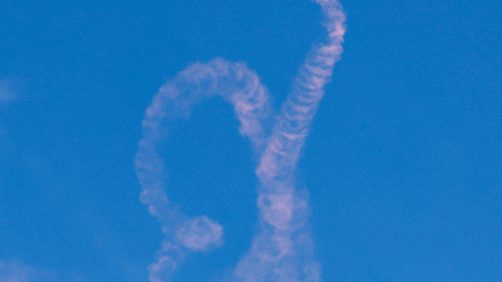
(6, 91)
(13, 271)
(283, 248)
(7, 95)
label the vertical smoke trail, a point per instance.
(241, 88)
(283, 147)
(282, 249)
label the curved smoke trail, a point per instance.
(282, 249)
(237, 85)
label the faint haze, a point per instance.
(6, 91)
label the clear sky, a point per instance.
(403, 162)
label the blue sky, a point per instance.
(402, 163)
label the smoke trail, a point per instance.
(282, 249)
(241, 88)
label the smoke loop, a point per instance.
(282, 249)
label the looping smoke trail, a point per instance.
(241, 88)
(282, 249)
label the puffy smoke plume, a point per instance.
(283, 248)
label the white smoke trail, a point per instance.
(237, 85)
(282, 249)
